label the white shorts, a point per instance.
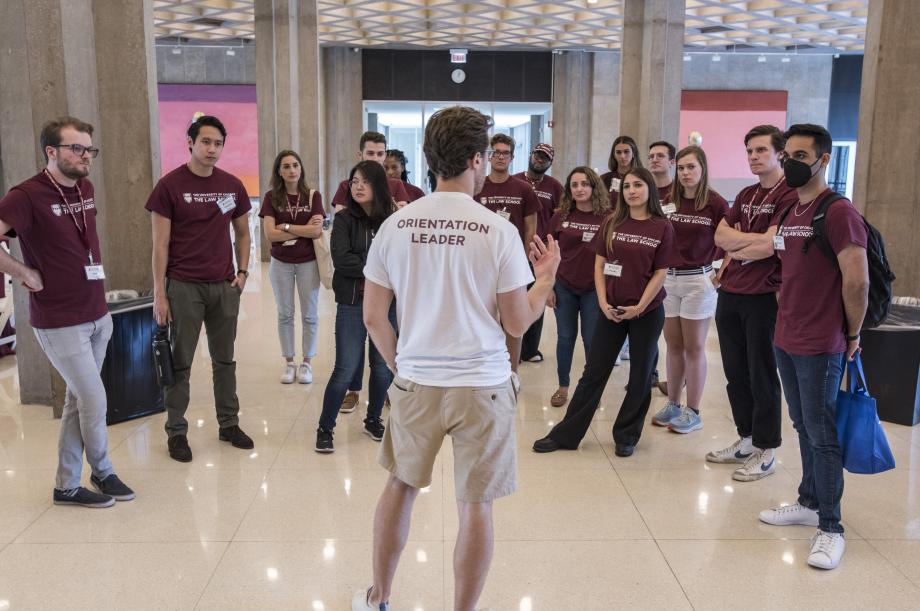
(692, 297)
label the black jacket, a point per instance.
(352, 233)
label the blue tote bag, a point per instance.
(862, 439)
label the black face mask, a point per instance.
(798, 173)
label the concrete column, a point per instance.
(605, 108)
(287, 88)
(572, 110)
(91, 59)
(343, 116)
(651, 66)
(887, 187)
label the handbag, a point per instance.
(323, 253)
(862, 439)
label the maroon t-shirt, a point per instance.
(575, 235)
(811, 319)
(413, 192)
(397, 190)
(301, 250)
(695, 231)
(52, 245)
(642, 248)
(756, 209)
(200, 249)
(664, 194)
(612, 180)
(549, 192)
(513, 197)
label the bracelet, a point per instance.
(242, 271)
(852, 338)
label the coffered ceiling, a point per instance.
(782, 25)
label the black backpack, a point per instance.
(880, 274)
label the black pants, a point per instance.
(606, 343)
(530, 343)
(745, 324)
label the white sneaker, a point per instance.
(737, 452)
(359, 602)
(826, 550)
(760, 464)
(290, 370)
(790, 515)
(305, 373)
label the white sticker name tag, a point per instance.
(669, 208)
(504, 214)
(289, 242)
(226, 204)
(613, 269)
(587, 236)
(615, 184)
(94, 272)
(779, 242)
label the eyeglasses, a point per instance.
(359, 182)
(78, 149)
(499, 154)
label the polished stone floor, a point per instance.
(282, 527)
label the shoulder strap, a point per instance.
(818, 223)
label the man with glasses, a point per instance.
(549, 193)
(194, 281)
(54, 215)
(515, 201)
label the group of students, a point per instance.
(629, 254)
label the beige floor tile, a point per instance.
(582, 575)
(905, 555)
(200, 505)
(146, 447)
(883, 506)
(24, 496)
(773, 575)
(153, 576)
(298, 505)
(321, 575)
(708, 504)
(570, 505)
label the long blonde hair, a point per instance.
(621, 212)
(702, 190)
(600, 201)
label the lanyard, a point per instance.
(80, 230)
(296, 209)
(750, 213)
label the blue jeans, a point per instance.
(304, 278)
(350, 337)
(810, 384)
(569, 305)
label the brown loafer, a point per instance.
(559, 398)
(349, 403)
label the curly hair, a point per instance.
(600, 200)
(453, 136)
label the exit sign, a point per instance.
(458, 56)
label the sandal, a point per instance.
(559, 398)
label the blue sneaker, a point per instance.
(687, 422)
(359, 602)
(667, 413)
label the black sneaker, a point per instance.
(113, 487)
(545, 445)
(236, 437)
(82, 497)
(324, 441)
(374, 427)
(179, 448)
(624, 450)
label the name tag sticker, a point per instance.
(615, 184)
(504, 214)
(226, 204)
(613, 269)
(669, 208)
(587, 236)
(779, 242)
(94, 272)
(289, 242)
(747, 261)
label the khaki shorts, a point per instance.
(480, 422)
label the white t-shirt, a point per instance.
(446, 258)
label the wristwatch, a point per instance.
(242, 271)
(852, 338)
(287, 226)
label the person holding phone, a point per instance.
(632, 249)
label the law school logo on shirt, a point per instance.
(57, 209)
(187, 197)
(565, 224)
